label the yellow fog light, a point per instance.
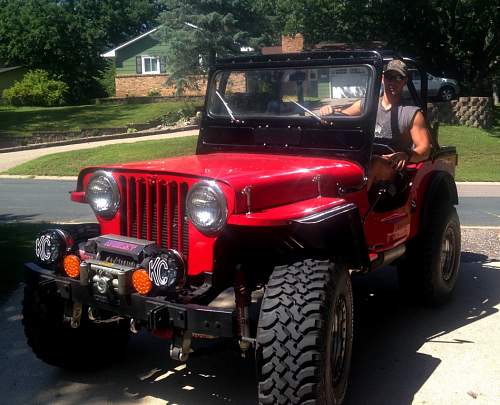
(72, 266)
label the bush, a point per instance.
(36, 89)
(172, 117)
(154, 93)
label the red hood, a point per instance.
(274, 179)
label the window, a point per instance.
(150, 65)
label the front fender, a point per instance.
(337, 231)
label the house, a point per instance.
(289, 44)
(141, 68)
(9, 75)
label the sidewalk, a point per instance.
(12, 159)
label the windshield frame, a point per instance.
(221, 134)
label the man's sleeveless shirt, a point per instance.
(395, 136)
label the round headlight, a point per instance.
(206, 207)
(51, 245)
(103, 194)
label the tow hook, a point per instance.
(181, 345)
(76, 317)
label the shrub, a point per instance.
(36, 89)
(154, 93)
(187, 111)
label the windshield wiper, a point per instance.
(310, 112)
(227, 106)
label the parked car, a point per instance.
(272, 211)
(439, 88)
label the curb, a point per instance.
(478, 183)
(33, 177)
(98, 138)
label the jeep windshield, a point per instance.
(289, 92)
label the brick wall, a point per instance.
(237, 83)
(290, 44)
(142, 85)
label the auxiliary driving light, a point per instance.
(72, 266)
(141, 281)
(166, 270)
(51, 245)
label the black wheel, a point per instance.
(54, 341)
(305, 334)
(447, 93)
(430, 270)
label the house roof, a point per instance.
(8, 69)
(112, 53)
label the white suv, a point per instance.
(437, 87)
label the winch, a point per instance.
(115, 266)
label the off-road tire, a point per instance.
(305, 334)
(55, 342)
(430, 269)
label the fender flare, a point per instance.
(338, 232)
(441, 190)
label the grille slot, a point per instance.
(153, 209)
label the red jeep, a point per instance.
(272, 211)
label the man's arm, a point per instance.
(353, 109)
(421, 138)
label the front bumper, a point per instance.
(156, 312)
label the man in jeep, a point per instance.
(402, 130)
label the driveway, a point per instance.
(403, 354)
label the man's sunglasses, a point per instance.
(393, 78)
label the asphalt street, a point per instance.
(29, 200)
(403, 354)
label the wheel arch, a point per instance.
(441, 192)
(337, 232)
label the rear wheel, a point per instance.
(54, 341)
(305, 335)
(430, 270)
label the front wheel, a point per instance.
(305, 335)
(55, 342)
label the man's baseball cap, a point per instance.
(397, 65)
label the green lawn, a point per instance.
(25, 120)
(478, 152)
(70, 163)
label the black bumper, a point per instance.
(155, 311)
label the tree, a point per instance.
(197, 31)
(66, 38)
(460, 38)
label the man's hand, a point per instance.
(327, 110)
(398, 160)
